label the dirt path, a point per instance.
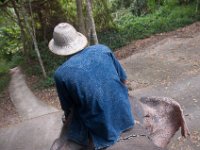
(40, 123)
(27, 105)
(8, 114)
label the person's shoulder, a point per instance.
(61, 69)
(58, 72)
(100, 47)
(103, 47)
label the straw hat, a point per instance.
(66, 40)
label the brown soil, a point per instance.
(8, 114)
(48, 95)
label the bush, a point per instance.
(9, 41)
(4, 81)
(4, 75)
(139, 7)
(166, 18)
(48, 82)
(50, 61)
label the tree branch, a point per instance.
(4, 4)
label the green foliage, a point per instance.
(17, 59)
(119, 4)
(130, 27)
(46, 15)
(152, 6)
(4, 81)
(9, 41)
(70, 7)
(4, 75)
(102, 15)
(139, 7)
(5, 66)
(48, 82)
(51, 63)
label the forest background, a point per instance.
(26, 26)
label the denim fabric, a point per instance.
(91, 82)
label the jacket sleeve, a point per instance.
(121, 73)
(63, 94)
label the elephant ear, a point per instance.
(163, 117)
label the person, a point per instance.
(92, 83)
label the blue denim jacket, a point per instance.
(91, 82)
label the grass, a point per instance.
(4, 81)
(4, 75)
(4, 70)
(130, 27)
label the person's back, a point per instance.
(92, 80)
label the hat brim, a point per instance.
(74, 47)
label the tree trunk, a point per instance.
(91, 30)
(197, 6)
(43, 25)
(20, 26)
(81, 25)
(33, 37)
